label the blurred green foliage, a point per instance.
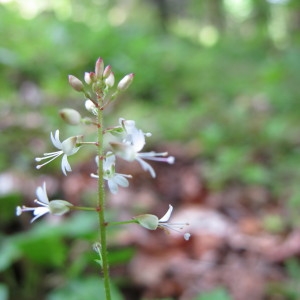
(217, 294)
(227, 77)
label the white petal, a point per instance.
(41, 194)
(65, 166)
(121, 180)
(167, 216)
(146, 166)
(55, 140)
(113, 187)
(138, 140)
(38, 212)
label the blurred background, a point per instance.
(217, 84)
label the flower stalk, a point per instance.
(101, 204)
(128, 143)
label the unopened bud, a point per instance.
(87, 77)
(110, 80)
(106, 71)
(70, 116)
(76, 84)
(91, 107)
(99, 67)
(125, 82)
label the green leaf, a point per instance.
(84, 288)
(9, 253)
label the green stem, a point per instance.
(101, 209)
(84, 208)
(122, 222)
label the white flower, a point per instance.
(66, 148)
(130, 130)
(133, 143)
(152, 222)
(113, 179)
(55, 207)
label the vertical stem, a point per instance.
(101, 213)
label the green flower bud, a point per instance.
(70, 116)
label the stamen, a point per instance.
(169, 160)
(52, 153)
(40, 203)
(187, 236)
(47, 162)
(19, 211)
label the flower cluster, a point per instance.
(128, 144)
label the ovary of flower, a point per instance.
(113, 179)
(131, 147)
(55, 207)
(66, 148)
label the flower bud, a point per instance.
(125, 82)
(76, 84)
(99, 67)
(70, 116)
(91, 107)
(87, 77)
(106, 71)
(148, 221)
(59, 207)
(110, 80)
